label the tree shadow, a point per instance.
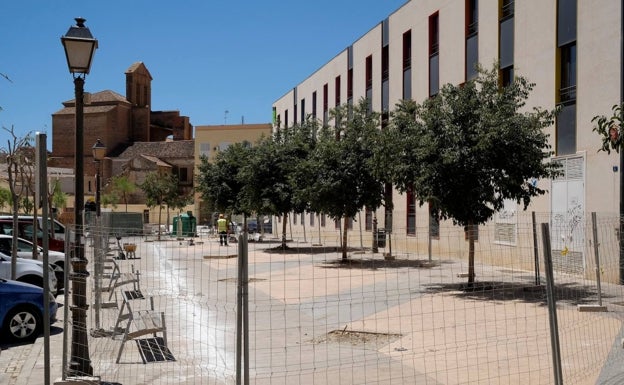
(280, 249)
(569, 293)
(374, 264)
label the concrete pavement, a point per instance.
(441, 341)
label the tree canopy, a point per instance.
(221, 182)
(470, 148)
(277, 176)
(344, 180)
(159, 189)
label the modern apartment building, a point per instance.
(571, 50)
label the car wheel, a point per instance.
(23, 323)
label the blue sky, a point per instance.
(205, 56)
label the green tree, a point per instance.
(159, 189)
(612, 133)
(27, 205)
(221, 182)
(5, 197)
(110, 199)
(58, 198)
(470, 148)
(121, 186)
(344, 181)
(278, 172)
(610, 129)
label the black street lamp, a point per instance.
(99, 152)
(79, 47)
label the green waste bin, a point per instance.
(184, 225)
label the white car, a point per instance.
(25, 250)
(28, 271)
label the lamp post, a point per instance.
(79, 47)
(99, 152)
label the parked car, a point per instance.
(25, 250)
(26, 229)
(56, 227)
(21, 310)
(28, 271)
(252, 226)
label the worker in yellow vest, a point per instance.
(222, 229)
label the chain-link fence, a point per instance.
(169, 309)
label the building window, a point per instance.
(204, 149)
(295, 114)
(302, 219)
(506, 75)
(407, 65)
(350, 85)
(325, 104)
(323, 220)
(506, 43)
(337, 224)
(566, 22)
(385, 85)
(350, 82)
(567, 56)
(566, 129)
(286, 119)
(314, 105)
(294, 218)
(434, 222)
(507, 9)
(368, 220)
(567, 89)
(311, 219)
(472, 42)
(303, 112)
(369, 83)
(183, 175)
(411, 212)
(337, 91)
(434, 55)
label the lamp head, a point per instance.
(79, 47)
(99, 150)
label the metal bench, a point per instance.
(117, 279)
(138, 322)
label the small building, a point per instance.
(209, 140)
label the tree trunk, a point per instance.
(284, 223)
(471, 252)
(159, 220)
(344, 239)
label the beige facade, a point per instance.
(209, 140)
(538, 52)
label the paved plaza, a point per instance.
(311, 297)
